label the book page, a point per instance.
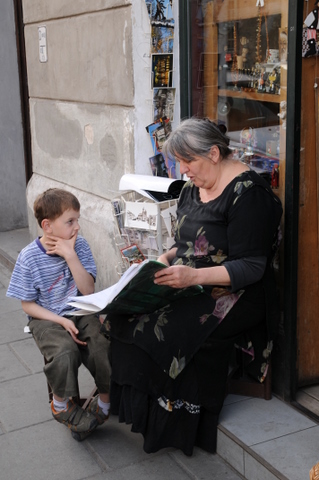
(97, 301)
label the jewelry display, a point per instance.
(251, 54)
(234, 68)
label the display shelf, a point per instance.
(145, 223)
(257, 96)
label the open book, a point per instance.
(135, 292)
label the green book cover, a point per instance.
(135, 292)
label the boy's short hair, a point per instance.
(52, 203)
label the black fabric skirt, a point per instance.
(180, 412)
(167, 412)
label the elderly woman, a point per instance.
(170, 366)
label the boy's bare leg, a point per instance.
(105, 397)
(59, 399)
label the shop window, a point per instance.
(239, 77)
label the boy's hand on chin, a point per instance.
(60, 246)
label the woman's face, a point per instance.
(201, 170)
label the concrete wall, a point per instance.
(89, 106)
(13, 212)
(81, 109)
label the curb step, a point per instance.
(6, 260)
(243, 459)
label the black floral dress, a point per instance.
(169, 367)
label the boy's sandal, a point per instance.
(75, 418)
(314, 472)
(79, 436)
(95, 410)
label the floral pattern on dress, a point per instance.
(199, 249)
(225, 304)
(170, 405)
(177, 366)
(240, 187)
(225, 300)
(219, 257)
(145, 318)
(201, 246)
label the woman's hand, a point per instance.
(168, 256)
(177, 276)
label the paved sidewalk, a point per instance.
(34, 446)
(257, 439)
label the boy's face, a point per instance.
(65, 226)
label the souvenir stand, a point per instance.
(145, 216)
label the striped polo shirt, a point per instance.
(47, 279)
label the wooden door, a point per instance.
(308, 265)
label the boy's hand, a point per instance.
(73, 331)
(60, 246)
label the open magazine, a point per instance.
(135, 292)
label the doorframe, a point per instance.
(24, 90)
(291, 221)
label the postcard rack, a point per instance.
(144, 228)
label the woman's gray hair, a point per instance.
(195, 137)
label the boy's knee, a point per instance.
(64, 362)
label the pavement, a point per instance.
(257, 439)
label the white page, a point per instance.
(140, 183)
(104, 297)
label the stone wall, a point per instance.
(89, 106)
(82, 111)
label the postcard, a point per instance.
(145, 239)
(162, 38)
(159, 132)
(159, 10)
(164, 103)
(128, 235)
(169, 217)
(118, 212)
(158, 166)
(162, 70)
(141, 215)
(133, 254)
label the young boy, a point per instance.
(47, 272)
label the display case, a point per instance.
(239, 78)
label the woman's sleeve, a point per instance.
(245, 271)
(253, 220)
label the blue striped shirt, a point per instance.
(47, 279)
